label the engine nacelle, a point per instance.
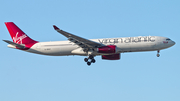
(111, 57)
(107, 49)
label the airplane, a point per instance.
(107, 48)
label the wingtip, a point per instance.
(55, 27)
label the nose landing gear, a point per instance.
(91, 58)
(158, 55)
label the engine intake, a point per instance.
(107, 49)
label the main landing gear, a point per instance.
(158, 53)
(91, 58)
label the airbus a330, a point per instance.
(108, 48)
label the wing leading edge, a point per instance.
(82, 42)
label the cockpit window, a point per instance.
(168, 39)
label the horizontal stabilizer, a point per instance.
(15, 44)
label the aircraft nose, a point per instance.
(173, 43)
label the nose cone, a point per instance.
(173, 43)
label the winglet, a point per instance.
(55, 27)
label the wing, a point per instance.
(82, 42)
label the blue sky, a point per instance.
(139, 76)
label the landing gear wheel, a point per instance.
(93, 60)
(86, 59)
(88, 63)
(158, 55)
(90, 60)
(91, 56)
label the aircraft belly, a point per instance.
(63, 50)
(53, 50)
(142, 46)
(133, 47)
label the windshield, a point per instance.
(168, 39)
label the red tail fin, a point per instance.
(18, 35)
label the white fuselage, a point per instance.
(127, 44)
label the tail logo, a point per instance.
(19, 39)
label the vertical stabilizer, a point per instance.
(17, 35)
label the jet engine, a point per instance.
(107, 49)
(111, 57)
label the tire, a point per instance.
(158, 55)
(91, 57)
(86, 59)
(93, 60)
(88, 63)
